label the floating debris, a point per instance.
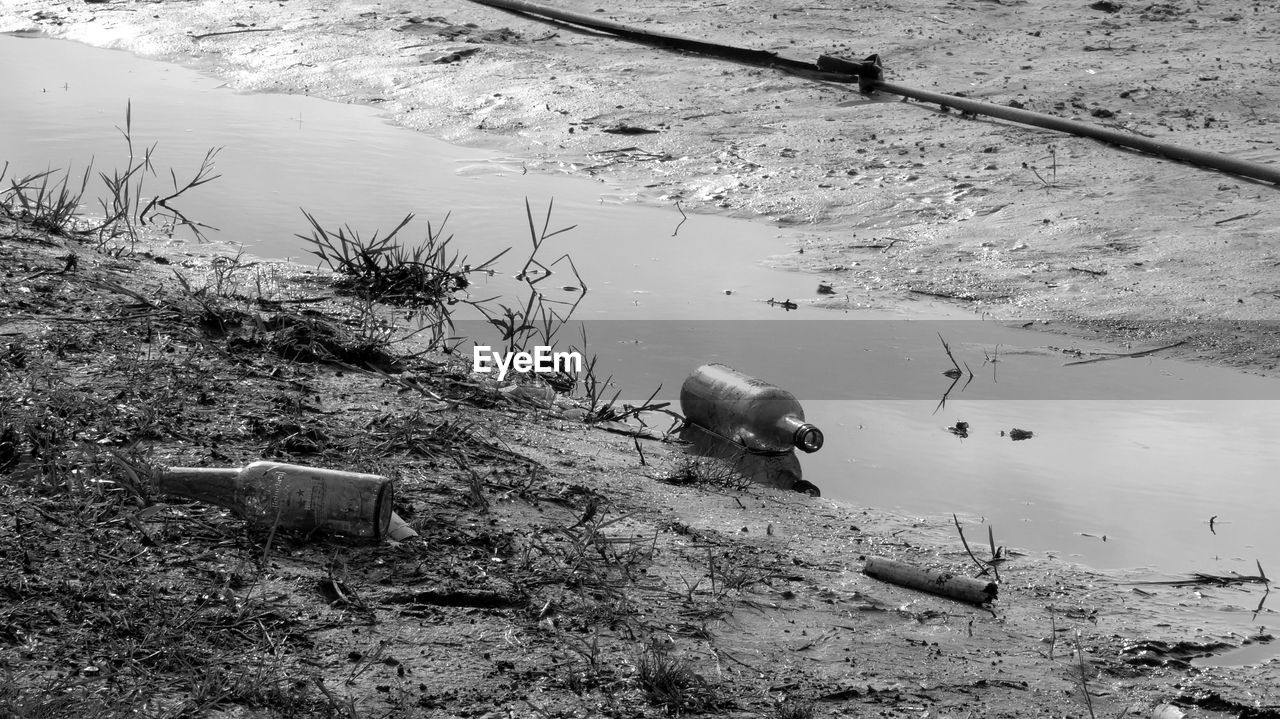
(1218, 580)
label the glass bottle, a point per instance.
(289, 496)
(759, 416)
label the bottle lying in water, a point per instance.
(289, 496)
(759, 416)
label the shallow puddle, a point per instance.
(1257, 653)
(1128, 461)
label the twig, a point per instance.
(957, 372)
(966, 543)
(1084, 679)
(711, 562)
(1237, 217)
(1053, 635)
(942, 402)
(271, 535)
(234, 32)
(725, 654)
(1142, 353)
(984, 566)
(1261, 602)
(942, 295)
(683, 218)
(883, 247)
(947, 348)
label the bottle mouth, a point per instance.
(809, 438)
(382, 510)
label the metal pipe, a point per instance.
(653, 37)
(1236, 166)
(1218, 161)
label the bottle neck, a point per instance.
(215, 485)
(803, 435)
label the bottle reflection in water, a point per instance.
(774, 469)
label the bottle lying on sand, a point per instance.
(759, 416)
(289, 496)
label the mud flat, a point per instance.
(1018, 223)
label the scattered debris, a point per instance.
(451, 57)
(623, 129)
(1220, 580)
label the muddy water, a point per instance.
(1128, 461)
(282, 154)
